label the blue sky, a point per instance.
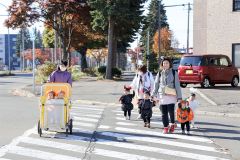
(177, 19)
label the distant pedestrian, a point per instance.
(146, 109)
(184, 116)
(167, 92)
(61, 75)
(126, 101)
(143, 81)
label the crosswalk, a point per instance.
(102, 133)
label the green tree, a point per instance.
(150, 23)
(23, 40)
(119, 20)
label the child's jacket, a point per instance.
(184, 115)
(126, 101)
(146, 108)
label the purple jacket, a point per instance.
(61, 77)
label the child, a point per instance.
(193, 104)
(50, 95)
(61, 95)
(184, 116)
(126, 101)
(146, 109)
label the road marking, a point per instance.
(88, 115)
(83, 124)
(176, 136)
(206, 98)
(121, 118)
(15, 141)
(126, 124)
(4, 159)
(158, 150)
(159, 141)
(121, 155)
(69, 147)
(39, 154)
(86, 108)
(104, 127)
(85, 119)
(79, 113)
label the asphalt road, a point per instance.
(102, 133)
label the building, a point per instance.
(216, 25)
(4, 54)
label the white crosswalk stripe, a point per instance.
(115, 138)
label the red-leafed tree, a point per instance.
(40, 55)
(62, 15)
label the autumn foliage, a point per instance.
(165, 40)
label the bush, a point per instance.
(115, 71)
(91, 71)
(44, 70)
(76, 73)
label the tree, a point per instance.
(62, 16)
(119, 20)
(48, 37)
(150, 22)
(165, 40)
(98, 54)
(40, 56)
(23, 40)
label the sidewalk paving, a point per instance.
(107, 92)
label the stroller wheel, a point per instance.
(70, 126)
(39, 129)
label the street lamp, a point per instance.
(33, 59)
(9, 57)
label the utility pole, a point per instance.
(159, 32)
(33, 60)
(148, 49)
(23, 48)
(55, 40)
(189, 9)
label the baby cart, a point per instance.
(55, 112)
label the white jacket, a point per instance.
(148, 83)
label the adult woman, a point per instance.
(61, 75)
(143, 81)
(168, 91)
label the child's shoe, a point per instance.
(165, 130)
(172, 127)
(148, 125)
(145, 124)
(183, 132)
(188, 133)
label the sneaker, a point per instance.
(145, 124)
(188, 132)
(165, 130)
(183, 132)
(172, 127)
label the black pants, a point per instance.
(167, 110)
(127, 111)
(146, 119)
(187, 126)
(140, 101)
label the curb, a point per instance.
(24, 93)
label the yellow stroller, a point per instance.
(55, 110)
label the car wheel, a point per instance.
(183, 85)
(205, 83)
(235, 81)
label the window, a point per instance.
(213, 61)
(236, 54)
(14, 39)
(224, 61)
(236, 5)
(191, 61)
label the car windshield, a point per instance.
(191, 61)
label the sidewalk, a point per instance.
(108, 92)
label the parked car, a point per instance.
(207, 70)
(176, 63)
